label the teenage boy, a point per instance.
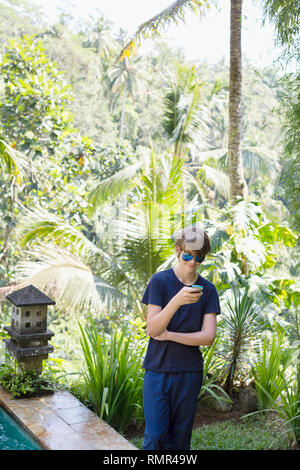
(180, 318)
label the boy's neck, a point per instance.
(184, 277)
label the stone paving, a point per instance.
(61, 422)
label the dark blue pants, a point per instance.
(170, 404)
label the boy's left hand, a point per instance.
(164, 336)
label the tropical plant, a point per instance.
(172, 13)
(113, 374)
(12, 162)
(191, 127)
(13, 166)
(288, 409)
(185, 118)
(286, 16)
(289, 178)
(32, 109)
(126, 78)
(136, 242)
(268, 370)
(212, 370)
(212, 169)
(177, 11)
(240, 327)
(26, 384)
(238, 186)
(97, 34)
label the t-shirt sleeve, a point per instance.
(154, 292)
(212, 302)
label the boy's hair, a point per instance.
(193, 238)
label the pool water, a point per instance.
(13, 436)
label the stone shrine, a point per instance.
(28, 332)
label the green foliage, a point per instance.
(269, 368)
(19, 17)
(212, 371)
(287, 407)
(240, 327)
(113, 374)
(33, 111)
(286, 16)
(249, 434)
(26, 384)
(184, 116)
(247, 245)
(100, 210)
(12, 162)
(174, 12)
(138, 237)
(289, 188)
(246, 435)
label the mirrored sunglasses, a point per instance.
(189, 257)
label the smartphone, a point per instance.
(198, 287)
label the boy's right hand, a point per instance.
(188, 295)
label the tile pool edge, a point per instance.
(13, 436)
(61, 422)
(12, 414)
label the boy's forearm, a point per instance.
(198, 338)
(159, 322)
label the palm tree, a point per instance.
(236, 176)
(83, 274)
(185, 119)
(175, 12)
(187, 122)
(126, 79)
(212, 166)
(99, 37)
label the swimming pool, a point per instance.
(13, 436)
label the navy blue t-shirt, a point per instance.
(170, 356)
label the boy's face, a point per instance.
(185, 262)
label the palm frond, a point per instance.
(208, 155)
(217, 240)
(168, 263)
(185, 120)
(286, 17)
(40, 224)
(64, 276)
(174, 13)
(188, 177)
(13, 161)
(170, 121)
(143, 231)
(193, 116)
(215, 178)
(257, 160)
(114, 185)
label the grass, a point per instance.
(247, 434)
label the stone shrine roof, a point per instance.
(29, 295)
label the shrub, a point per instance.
(26, 384)
(268, 369)
(114, 375)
